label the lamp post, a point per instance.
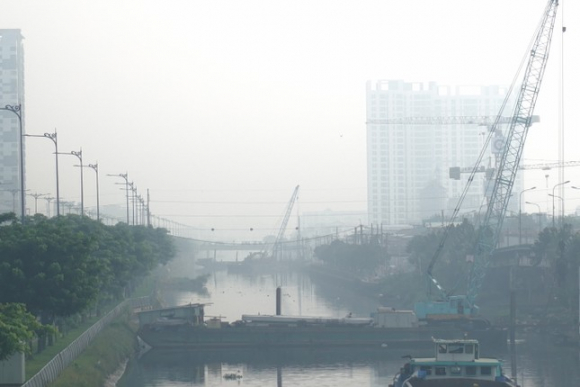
(133, 204)
(79, 155)
(95, 167)
(553, 202)
(17, 111)
(553, 206)
(539, 214)
(520, 215)
(48, 200)
(53, 137)
(125, 177)
(36, 196)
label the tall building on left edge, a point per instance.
(12, 94)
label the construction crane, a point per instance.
(455, 172)
(282, 229)
(452, 120)
(271, 251)
(453, 307)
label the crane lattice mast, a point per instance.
(510, 158)
(282, 228)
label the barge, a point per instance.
(186, 327)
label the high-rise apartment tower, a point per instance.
(408, 164)
(11, 94)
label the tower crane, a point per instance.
(463, 306)
(450, 120)
(455, 172)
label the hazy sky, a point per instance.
(210, 104)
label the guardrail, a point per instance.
(58, 363)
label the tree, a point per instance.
(61, 266)
(453, 264)
(47, 265)
(17, 327)
(559, 248)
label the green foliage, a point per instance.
(560, 249)
(452, 266)
(17, 326)
(63, 265)
(47, 265)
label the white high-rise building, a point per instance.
(11, 94)
(408, 164)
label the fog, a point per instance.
(221, 108)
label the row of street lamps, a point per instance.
(137, 199)
(553, 195)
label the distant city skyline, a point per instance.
(221, 108)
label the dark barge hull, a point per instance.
(187, 336)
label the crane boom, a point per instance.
(451, 120)
(455, 172)
(488, 233)
(512, 154)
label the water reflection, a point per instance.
(232, 295)
(267, 367)
(539, 364)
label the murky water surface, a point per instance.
(233, 294)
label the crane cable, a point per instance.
(475, 169)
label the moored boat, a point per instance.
(456, 364)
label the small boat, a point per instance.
(456, 364)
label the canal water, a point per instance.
(231, 294)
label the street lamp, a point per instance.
(133, 191)
(53, 137)
(520, 217)
(553, 206)
(539, 214)
(48, 200)
(553, 203)
(95, 167)
(36, 196)
(125, 177)
(79, 155)
(17, 110)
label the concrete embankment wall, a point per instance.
(54, 367)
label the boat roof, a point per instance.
(434, 361)
(187, 306)
(455, 341)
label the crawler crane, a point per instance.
(454, 307)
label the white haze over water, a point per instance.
(220, 108)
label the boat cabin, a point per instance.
(192, 314)
(455, 362)
(456, 350)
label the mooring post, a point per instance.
(278, 301)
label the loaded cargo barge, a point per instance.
(186, 327)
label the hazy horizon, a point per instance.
(222, 108)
